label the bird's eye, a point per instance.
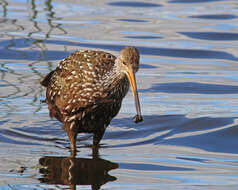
(124, 63)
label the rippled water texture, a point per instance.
(187, 85)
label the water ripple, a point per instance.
(134, 4)
(215, 16)
(151, 167)
(214, 36)
(143, 37)
(155, 51)
(177, 129)
(132, 20)
(192, 88)
(193, 1)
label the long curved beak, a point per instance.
(131, 77)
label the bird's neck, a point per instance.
(117, 82)
(112, 77)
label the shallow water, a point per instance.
(187, 85)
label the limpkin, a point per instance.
(86, 89)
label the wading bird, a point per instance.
(86, 90)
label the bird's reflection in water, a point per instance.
(74, 171)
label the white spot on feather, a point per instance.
(54, 93)
(65, 119)
(70, 77)
(71, 126)
(72, 118)
(67, 107)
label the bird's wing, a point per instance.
(76, 82)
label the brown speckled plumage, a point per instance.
(85, 91)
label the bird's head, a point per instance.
(129, 56)
(128, 63)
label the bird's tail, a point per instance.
(47, 78)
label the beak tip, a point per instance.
(137, 118)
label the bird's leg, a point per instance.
(97, 136)
(72, 139)
(72, 135)
(95, 154)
